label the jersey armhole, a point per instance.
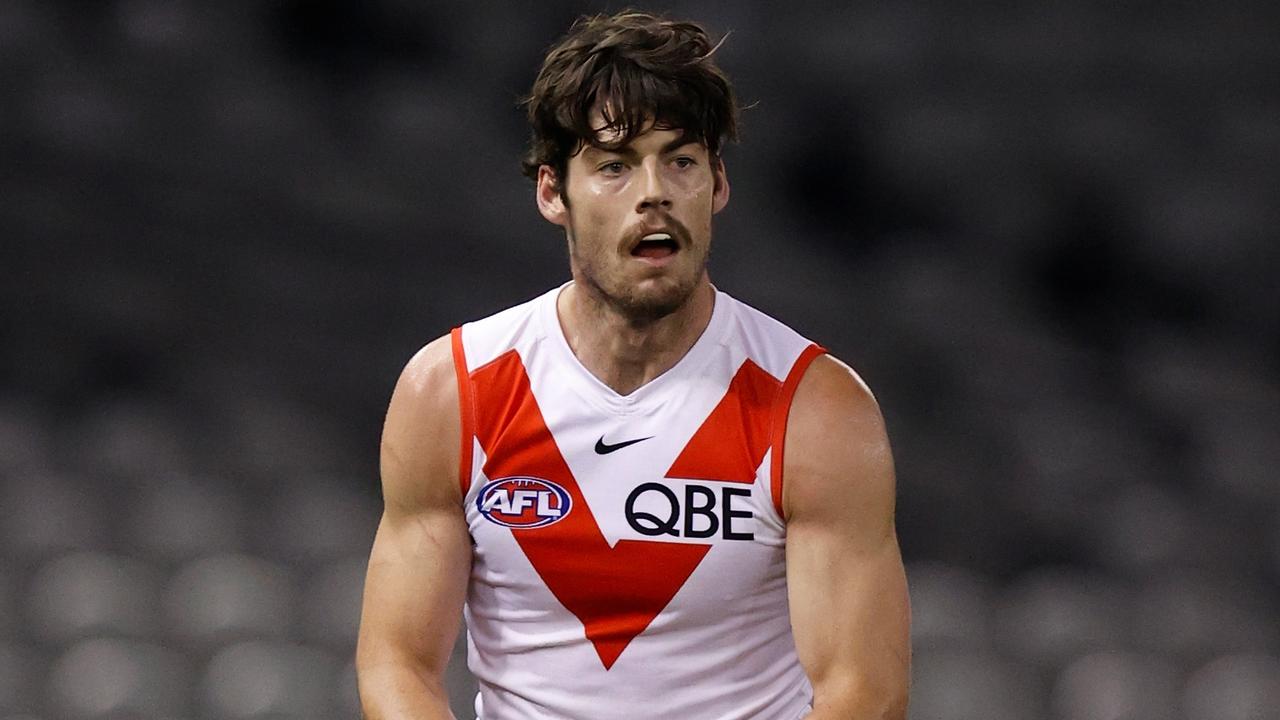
(778, 426)
(466, 411)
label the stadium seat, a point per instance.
(181, 518)
(93, 593)
(460, 682)
(321, 522)
(1117, 686)
(45, 514)
(258, 679)
(1274, 546)
(131, 439)
(1234, 687)
(25, 444)
(1191, 616)
(348, 696)
(1182, 211)
(949, 685)
(1076, 447)
(229, 597)
(18, 674)
(950, 607)
(1240, 454)
(268, 437)
(1172, 373)
(1142, 530)
(331, 603)
(109, 678)
(1050, 615)
(8, 600)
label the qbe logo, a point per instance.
(523, 502)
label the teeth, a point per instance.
(657, 236)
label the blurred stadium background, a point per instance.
(1044, 232)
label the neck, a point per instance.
(624, 353)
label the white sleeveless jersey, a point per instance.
(628, 550)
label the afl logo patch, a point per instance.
(523, 502)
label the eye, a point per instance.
(685, 161)
(611, 168)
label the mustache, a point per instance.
(677, 229)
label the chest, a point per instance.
(603, 510)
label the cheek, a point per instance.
(601, 209)
(598, 218)
(697, 189)
(594, 225)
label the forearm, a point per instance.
(855, 714)
(396, 692)
(864, 706)
(874, 689)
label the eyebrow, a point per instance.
(629, 152)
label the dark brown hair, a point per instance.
(635, 67)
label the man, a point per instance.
(598, 474)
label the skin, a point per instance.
(421, 557)
(850, 612)
(628, 320)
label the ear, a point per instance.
(550, 204)
(719, 195)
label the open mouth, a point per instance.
(656, 245)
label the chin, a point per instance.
(658, 300)
(640, 296)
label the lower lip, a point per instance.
(657, 260)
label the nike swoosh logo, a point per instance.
(604, 449)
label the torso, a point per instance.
(628, 550)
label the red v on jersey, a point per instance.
(615, 591)
(733, 439)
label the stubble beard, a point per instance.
(639, 307)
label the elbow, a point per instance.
(861, 701)
(896, 707)
(888, 708)
(373, 684)
(889, 704)
(400, 687)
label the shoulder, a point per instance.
(428, 382)
(422, 433)
(832, 391)
(837, 448)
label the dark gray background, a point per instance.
(1043, 232)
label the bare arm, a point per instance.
(849, 608)
(421, 556)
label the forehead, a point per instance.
(650, 141)
(610, 136)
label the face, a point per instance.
(638, 219)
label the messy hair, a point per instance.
(634, 68)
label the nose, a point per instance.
(653, 188)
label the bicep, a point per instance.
(849, 612)
(421, 557)
(846, 583)
(414, 589)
